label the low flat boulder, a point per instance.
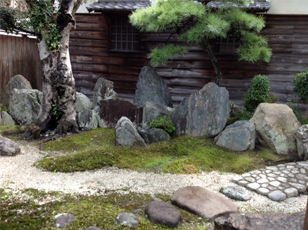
(163, 213)
(8, 147)
(239, 136)
(151, 87)
(235, 193)
(153, 135)
(276, 125)
(6, 119)
(203, 113)
(202, 202)
(301, 137)
(260, 221)
(126, 134)
(112, 110)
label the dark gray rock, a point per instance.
(151, 87)
(126, 134)
(202, 202)
(163, 213)
(6, 119)
(203, 113)
(16, 82)
(153, 135)
(103, 90)
(235, 193)
(87, 119)
(63, 219)
(82, 102)
(238, 136)
(8, 147)
(93, 228)
(126, 218)
(25, 105)
(301, 137)
(113, 109)
(152, 110)
(260, 221)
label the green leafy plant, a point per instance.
(300, 89)
(3, 108)
(163, 122)
(258, 92)
(302, 119)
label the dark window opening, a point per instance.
(226, 46)
(123, 36)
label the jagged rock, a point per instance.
(235, 193)
(82, 102)
(276, 124)
(203, 113)
(8, 147)
(6, 119)
(238, 136)
(87, 119)
(301, 137)
(25, 105)
(202, 202)
(126, 218)
(63, 219)
(152, 110)
(126, 134)
(113, 109)
(16, 82)
(260, 221)
(151, 87)
(103, 90)
(163, 213)
(153, 135)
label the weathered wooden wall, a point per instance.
(19, 55)
(287, 36)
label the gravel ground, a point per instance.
(17, 173)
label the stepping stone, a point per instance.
(202, 202)
(126, 218)
(235, 193)
(163, 213)
(63, 219)
(93, 228)
(277, 195)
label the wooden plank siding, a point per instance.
(19, 55)
(287, 36)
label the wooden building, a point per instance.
(105, 45)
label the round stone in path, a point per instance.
(277, 195)
(235, 193)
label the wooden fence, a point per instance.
(19, 55)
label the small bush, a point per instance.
(258, 92)
(302, 119)
(163, 122)
(300, 82)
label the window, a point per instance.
(123, 36)
(226, 46)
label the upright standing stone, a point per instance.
(301, 137)
(151, 87)
(203, 113)
(103, 90)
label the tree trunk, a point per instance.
(58, 84)
(213, 59)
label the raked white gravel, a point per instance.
(18, 173)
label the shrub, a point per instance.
(300, 89)
(163, 122)
(258, 92)
(302, 119)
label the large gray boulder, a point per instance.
(16, 82)
(6, 119)
(260, 221)
(202, 202)
(153, 135)
(301, 137)
(151, 110)
(103, 90)
(238, 136)
(8, 147)
(276, 125)
(112, 110)
(25, 105)
(151, 87)
(203, 113)
(82, 102)
(126, 134)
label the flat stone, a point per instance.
(202, 202)
(253, 186)
(277, 195)
(243, 182)
(303, 171)
(63, 219)
(282, 179)
(250, 179)
(290, 166)
(271, 175)
(163, 213)
(302, 177)
(291, 192)
(93, 228)
(274, 183)
(299, 187)
(303, 163)
(262, 181)
(237, 178)
(263, 191)
(273, 168)
(127, 219)
(235, 193)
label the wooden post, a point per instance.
(306, 218)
